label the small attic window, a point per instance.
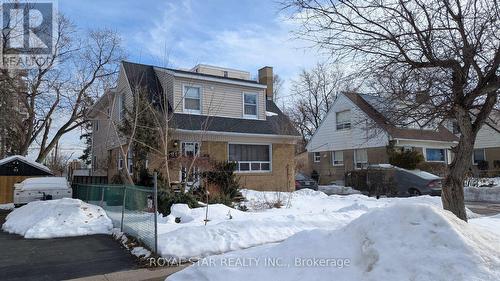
(225, 74)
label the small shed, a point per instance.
(15, 169)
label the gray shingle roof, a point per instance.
(273, 125)
(441, 134)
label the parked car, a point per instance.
(41, 188)
(303, 181)
(416, 182)
(385, 179)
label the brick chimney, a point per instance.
(266, 77)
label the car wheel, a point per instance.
(414, 192)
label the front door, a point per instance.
(190, 150)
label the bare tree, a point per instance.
(448, 51)
(57, 95)
(312, 95)
(277, 87)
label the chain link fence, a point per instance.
(132, 208)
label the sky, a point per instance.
(243, 34)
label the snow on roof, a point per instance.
(25, 160)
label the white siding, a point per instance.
(361, 135)
(487, 137)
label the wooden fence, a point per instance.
(7, 187)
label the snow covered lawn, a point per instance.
(57, 218)
(403, 241)
(230, 229)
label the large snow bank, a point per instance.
(44, 183)
(57, 218)
(401, 242)
(229, 229)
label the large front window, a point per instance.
(250, 105)
(251, 157)
(435, 154)
(192, 99)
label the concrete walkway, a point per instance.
(135, 275)
(60, 258)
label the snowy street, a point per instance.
(484, 208)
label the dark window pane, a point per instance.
(193, 104)
(255, 166)
(478, 155)
(247, 152)
(250, 109)
(265, 167)
(250, 99)
(244, 166)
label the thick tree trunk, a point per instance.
(453, 188)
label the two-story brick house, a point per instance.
(216, 112)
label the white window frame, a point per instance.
(341, 162)
(356, 159)
(183, 96)
(195, 170)
(344, 125)
(318, 155)
(249, 116)
(250, 171)
(196, 146)
(484, 155)
(434, 161)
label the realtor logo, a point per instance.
(28, 33)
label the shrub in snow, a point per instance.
(222, 184)
(406, 159)
(57, 218)
(166, 199)
(401, 242)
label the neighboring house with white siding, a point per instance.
(217, 112)
(487, 145)
(355, 134)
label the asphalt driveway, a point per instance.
(60, 258)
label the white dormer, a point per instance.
(221, 71)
